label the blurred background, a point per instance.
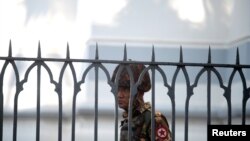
(194, 25)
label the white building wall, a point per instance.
(203, 22)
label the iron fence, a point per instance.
(97, 64)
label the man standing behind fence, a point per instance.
(141, 114)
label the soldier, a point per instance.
(141, 114)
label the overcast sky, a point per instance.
(53, 22)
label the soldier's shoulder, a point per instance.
(162, 127)
(161, 118)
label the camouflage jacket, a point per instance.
(141, 126)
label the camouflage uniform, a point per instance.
(141, 114)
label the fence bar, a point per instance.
(38, 104)
(153, 98)
(96, 104)
(153, 105)
(1, 116)
(208, 97)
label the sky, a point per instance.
(57, 22)
(52, 22)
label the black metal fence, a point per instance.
(208, 69)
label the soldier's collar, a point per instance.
(136, 111)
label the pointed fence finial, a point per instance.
(237, 56)
(10, 49)
(153, 54)
(96, 52)
(125, 53)
(181, 55)
(67, 53)
(209, 55)
(39, 50)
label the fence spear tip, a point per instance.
(237, 56)
(67, 53)
(125, 53)
(39, 49)
(181, 55)
(153, 53)
(96, 52)
(209, 55)
(10, 49)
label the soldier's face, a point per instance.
(123, 98)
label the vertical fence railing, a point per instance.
(98, 65)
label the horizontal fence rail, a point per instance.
(98, 65)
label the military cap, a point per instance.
(136, 69)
